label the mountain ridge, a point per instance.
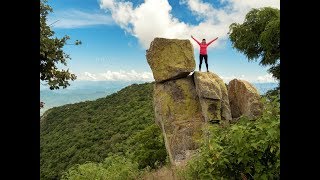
(91, 131)
(90, 91)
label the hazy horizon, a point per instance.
(80, 91)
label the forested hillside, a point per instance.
(121, 123)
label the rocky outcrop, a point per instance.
(178, 113)
(170, 58)
(184, 103)
(213, 95)
(244, 99)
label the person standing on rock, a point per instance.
(203, 51)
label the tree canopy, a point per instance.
(259, 37)
(245, 150)
(119, 124)
(51, 53)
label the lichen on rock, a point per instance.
(244, 99)
(213, 96)
(184, 103)
(178, 113)
(170, 58)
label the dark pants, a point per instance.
(205, 56)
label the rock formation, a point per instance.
(213, 95)
(178, 113)
(184, 103)
(244, 99)
(170, 58)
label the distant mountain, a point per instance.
(90, 90)
(82, 84)
(79, 91)
(121, 123)
(264, 87)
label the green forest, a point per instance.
(245, 150)
(120, 124)
(116, 138)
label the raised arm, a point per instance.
(212, 41)
(195, 40)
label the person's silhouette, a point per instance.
(203, 51)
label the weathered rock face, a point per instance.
(184, 103)
(213, 95)
(244, 99)
(178, 113)
(170, 58)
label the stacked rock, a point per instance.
(185, 101)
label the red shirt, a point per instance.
(203, 47)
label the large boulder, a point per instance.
(170, 58)
(244, 99)
(213, 95)
(178, 113)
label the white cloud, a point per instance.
(247, 5)
(253, 79)
(227, 79)
(117, 76)
(90, 76)
(153, 18)
(198, 8)
(266, 79)
(77, 19)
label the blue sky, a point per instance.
(115, 35)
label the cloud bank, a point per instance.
(148, 77)
(153, 18)
(266, 78)
(117, 76)
(77, 19)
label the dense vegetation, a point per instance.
(112, 168)
(143, 154)
(119, 127)
(259, 37)
(52, 54)
(116, 138)
(245, 150)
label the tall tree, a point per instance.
(52, 54)
(259, 37)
